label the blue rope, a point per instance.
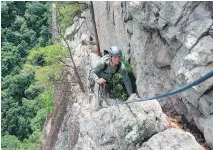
(198, 81)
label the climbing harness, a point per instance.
(198, 81)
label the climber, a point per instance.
(103, 71)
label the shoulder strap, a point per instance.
(105, 67)
(112, 74)
(105, 58)
(118, 67)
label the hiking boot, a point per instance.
(105, 104)
(97, 108)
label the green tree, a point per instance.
(19, 36)
(30, 69)
(66, 13)
(9, 59)
(37, 19)
(10, 141)
(9, 11)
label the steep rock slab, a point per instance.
(120, 127)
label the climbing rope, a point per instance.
(198, 81)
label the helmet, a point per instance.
(115, 51)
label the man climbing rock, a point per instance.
(104, 70)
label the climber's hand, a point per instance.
(101, 81)
(132, 96)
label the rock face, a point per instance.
(120, 127)
(168, 46)
(171, 139)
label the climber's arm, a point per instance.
(96, 68)
(126, 79)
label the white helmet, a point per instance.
(115, 51)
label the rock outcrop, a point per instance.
(120, 127)
(171, 139)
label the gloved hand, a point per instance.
(133, 96)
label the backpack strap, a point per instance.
(105, 67)
(118, 67)
(112, 74)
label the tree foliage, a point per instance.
(46, 64)
(30, 68)
(66, 13)
(24, 26)
(10, 142)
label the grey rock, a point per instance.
(206, 104)
(170, 13)
(182, 39)
(179, 106)
(163, 58)
(206, 124)
(160, 4)
(196, 24)
(172, 139)
(205, 107)
(121, 127)
(129, 28)
(127, 17)
(200, 55)
(148, 15)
